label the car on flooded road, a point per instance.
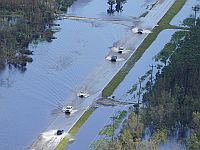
(67, 110)
(59, 132)
(121, 49)
(140, 31)
(82, 94)
(113, 58)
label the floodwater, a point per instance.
(89, 131)
(27, 99)
(86, 8)
(95, 123)
(147, 59)
(185, 12)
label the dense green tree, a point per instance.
(24, 21)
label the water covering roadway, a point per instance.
(103, 73)
(30, 100)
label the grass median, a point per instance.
(162, 25)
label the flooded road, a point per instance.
(95, 123)
(98, 8)
(28, 100)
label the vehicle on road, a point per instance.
(113, 58)
(67, 109)
(140, 31)
(59, 132)
(82, 94)
(121, 49)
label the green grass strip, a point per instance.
(163, 24)
(75, 128)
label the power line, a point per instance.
(152, 66)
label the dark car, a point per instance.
(114, 58)
(121, 49)
(59, 132)
(140, 31)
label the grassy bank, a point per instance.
(75, 128)
(163, 24)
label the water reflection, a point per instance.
(21, 67)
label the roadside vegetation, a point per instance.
(23, 22)
(108, 130)
(170, 103)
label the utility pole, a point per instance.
(138, 105)
(152, 66)
(113, 123)
(195, 9)
(139, 93)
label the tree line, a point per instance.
(24, 21)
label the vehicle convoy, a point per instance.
(67, 109)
